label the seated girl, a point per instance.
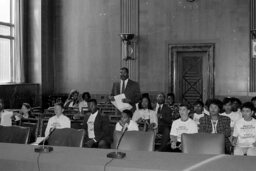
(25, 112)
(72, 100)
(126, 122)
(84, 103)
(145, 115)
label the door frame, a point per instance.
(173, 49)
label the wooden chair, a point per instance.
(135, 140)
(203, 143)
(77, 124)
(43, 125)
(14, 134)
(33, 124)
(67, 137)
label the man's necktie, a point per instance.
(123, 86)
(159, 114)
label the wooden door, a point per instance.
(190, 76)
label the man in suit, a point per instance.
(165, 119)
(216, 123)
(96, 126)
(130, 88)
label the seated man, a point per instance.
(58, 121)
(244, 135)
(165, 117)
(126, 122)
(96, 126)
(215, 123)
(180, 126)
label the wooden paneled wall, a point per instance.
(16, 94)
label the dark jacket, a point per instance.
(132, 91)
(101, 127)
(166, 116)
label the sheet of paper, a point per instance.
(6, 119)
(38, 140)
(118, 103)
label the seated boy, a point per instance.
(244, 135)
(180, 126)
(198, 111)
(234, 116)
(126, 122)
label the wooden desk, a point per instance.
(16, 157)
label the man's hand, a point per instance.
(173, 145)
(90, 143)
(126, 100)
(152, 126)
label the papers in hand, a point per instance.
(6, 118)
(119, 104)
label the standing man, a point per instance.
(126, 86)
(165, 118)
(96, 126)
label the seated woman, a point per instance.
(72, 100)
(25, 112)
(84, 103)
(145, 114)
(126, 122)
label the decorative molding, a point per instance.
(130, 24)
(174, 49)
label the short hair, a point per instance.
(144, 95)
(94, 101)
(199, 102)
(227, 100)
(234, 99)
(86, 93)
(253, 99)
(149, 103)
(185, 105)
(128, 112)
(171, 95)
(248, 105)
(125, 69)
(216, 102)
(161, 94)
(207, 102)
(27, 105)
(59, 104)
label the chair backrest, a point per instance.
(14, 134)
(43, 125)
(203, 143)
(135, 140)
(77, 124)
(67, 137)
(33, 124)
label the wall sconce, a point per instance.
(128, 52)
(253, 43)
